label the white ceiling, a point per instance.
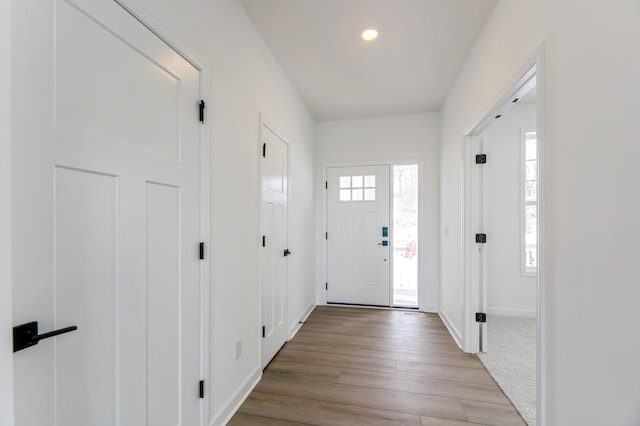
(409, 68)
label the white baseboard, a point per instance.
(507, 312)
(301, 319)
(457, 336)
(432, 309)
(231, 405)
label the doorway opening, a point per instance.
(481, 238)
(508, 193)
(405, 236)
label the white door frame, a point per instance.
(6, 307)
(473, 297)
(6, 320)
(321, 294)
(265, 122)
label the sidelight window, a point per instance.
(529, 204)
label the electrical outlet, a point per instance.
(238, 348)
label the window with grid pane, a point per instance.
(357, 188)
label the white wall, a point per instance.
(508, 292)
(244, 82)
(402, 139)
(6, 321)
(592, 192)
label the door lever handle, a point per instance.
(26, 335)
(384, 243)
(287, 252)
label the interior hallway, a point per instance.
(350, 366)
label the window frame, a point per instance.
(526, 271)
(363, 188)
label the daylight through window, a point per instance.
(358, 188)
(530, 204)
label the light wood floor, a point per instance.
(351, 366)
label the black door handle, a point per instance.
(26, 335)
(287, 252)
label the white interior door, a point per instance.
(106, 219)
(273, 259)
(358, 235)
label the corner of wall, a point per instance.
(233, 403)
(295, 326)
(457, 336)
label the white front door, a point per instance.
(274, 250)
(106, 205)
(358, 235)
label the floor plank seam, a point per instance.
(439, 395)
(346, 366)
(317, 399)
(362, 407)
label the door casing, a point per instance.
(473, 297)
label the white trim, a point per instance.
(506, 312)
(294, 328)
(237, 398)
(431, 309)
(457, 336)
(524, 272)
(142, 15)
(517, 89)
(6, 307)
(541, 94)
(534, 67)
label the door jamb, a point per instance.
(535, 66)
(6, 282)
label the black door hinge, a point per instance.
(201, 388)
(326, 235)
(481, 317)
(202, 111)
(326, 286)
(201, 251)
(481, 158)
(264, 331)
(326, 185)
(481, 238)
(264, 150)
(264, 241)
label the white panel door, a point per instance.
(274, 251)
(106, 175)
(358, 235)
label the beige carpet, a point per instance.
(511, 360)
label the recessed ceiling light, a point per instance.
(369, 33)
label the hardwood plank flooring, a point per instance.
(354, 366)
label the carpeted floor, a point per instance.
(511, 360)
